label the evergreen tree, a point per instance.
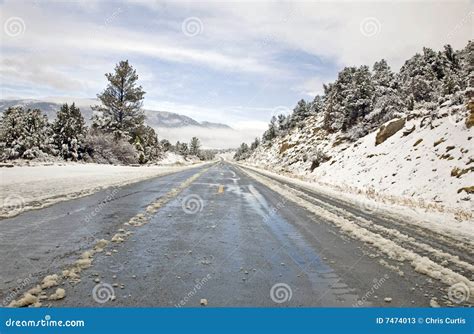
(300, 112)
(271, 132)
(69, 132)
(25, 134)
(387, 98)
(255, 144)
(120, 112)
(242, 152)
(182, 149)
(194, 146)
(165, 145)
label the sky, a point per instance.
(236, 63)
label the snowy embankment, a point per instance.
(25, 188)
(424, 170)
(440, 222)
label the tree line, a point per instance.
(361, 99)
(118, 133)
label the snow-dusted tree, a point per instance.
(317, 105)
(283, 124)
(255, 144)
(194, 146)
(358, 98)
(349, 99)
(300, 112)
(272, 130)
(418, 80)
(387, 99)
(242, 152)
(12, 133)
(120, 112)
(146, 143)
(182, 148)
(69, 131)
(165, 145)
(25, 134)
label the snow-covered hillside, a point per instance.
(427, 163)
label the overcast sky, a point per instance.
(231, 62)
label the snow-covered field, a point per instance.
(25, 188)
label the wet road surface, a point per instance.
(209, 233)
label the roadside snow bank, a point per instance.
(25, 188)
(441, 222)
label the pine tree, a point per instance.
(120, 112)
(255, 144)
(194, 146)
(387, 99)
(165, 145)
(300, 112)
(69, 132)
(271, 132)
(25, 134)
(242, 152)
(182, 149)
(146, 144)
(418, 80)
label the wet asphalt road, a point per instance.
(239, 241)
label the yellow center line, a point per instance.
(221, 189)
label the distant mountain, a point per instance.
(155, 118)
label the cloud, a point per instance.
(257, 55)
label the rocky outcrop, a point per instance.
(388, 130)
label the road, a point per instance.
(218, 232)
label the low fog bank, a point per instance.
(210, 138)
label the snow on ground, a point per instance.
(171, 158)
(24, 188)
